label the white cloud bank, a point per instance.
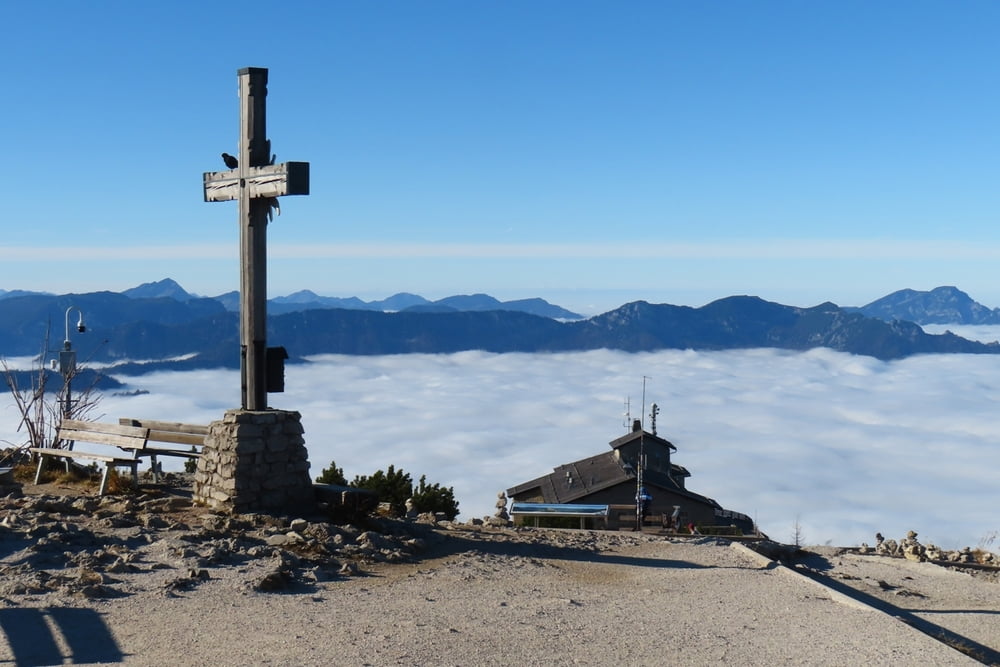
(846, 445)
(985, 333)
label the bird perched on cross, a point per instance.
(230, 161)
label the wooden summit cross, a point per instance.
(255, 183)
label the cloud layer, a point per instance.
(845, 445)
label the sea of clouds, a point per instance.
(842, 445)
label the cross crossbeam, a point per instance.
(287, 178)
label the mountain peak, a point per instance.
(470, 302)
(166, 288)
(941, 305)
(302, 296)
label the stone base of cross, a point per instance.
(255, 183)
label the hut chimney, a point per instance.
(636, 425)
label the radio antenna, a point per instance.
(639, 490)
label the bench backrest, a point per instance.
(116, 435)
(172, 432)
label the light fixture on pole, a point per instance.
(67, 362)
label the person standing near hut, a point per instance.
(675, 519)
(644, 501)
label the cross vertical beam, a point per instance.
(256, 183)
(253, 151)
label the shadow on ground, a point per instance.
(814, 567)
(454, 543)
(30, 636)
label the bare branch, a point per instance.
(40, 410)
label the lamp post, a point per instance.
(67, 362)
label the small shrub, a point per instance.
(435, 498)
(25, 472)
(118, 483)
(797, 536)
(75, 475)
(392, 486)
(332, 475)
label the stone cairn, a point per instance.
(911, 549)
(500, 517)
(255, 461)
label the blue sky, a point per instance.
(590, 153)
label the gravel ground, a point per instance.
(152, 580)
(480, 596)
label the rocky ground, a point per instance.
(61, 538)
(149, 578)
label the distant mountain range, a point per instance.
(172, 329)
(307, 300)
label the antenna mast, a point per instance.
(641, 463)
(644, 378)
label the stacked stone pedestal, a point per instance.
(255, 461)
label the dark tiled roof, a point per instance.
(596, 473)
(586, 476)
(635, 435)
(575, 481)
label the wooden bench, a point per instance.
(169, 433)
(537, 510)
(128, 439)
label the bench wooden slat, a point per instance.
(116, 435)
(97, 427)
(112, 439)
(177, 438)
(172, 432)
(156, 425)
(70, 454)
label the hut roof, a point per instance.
(647, 437)
(572, 481)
